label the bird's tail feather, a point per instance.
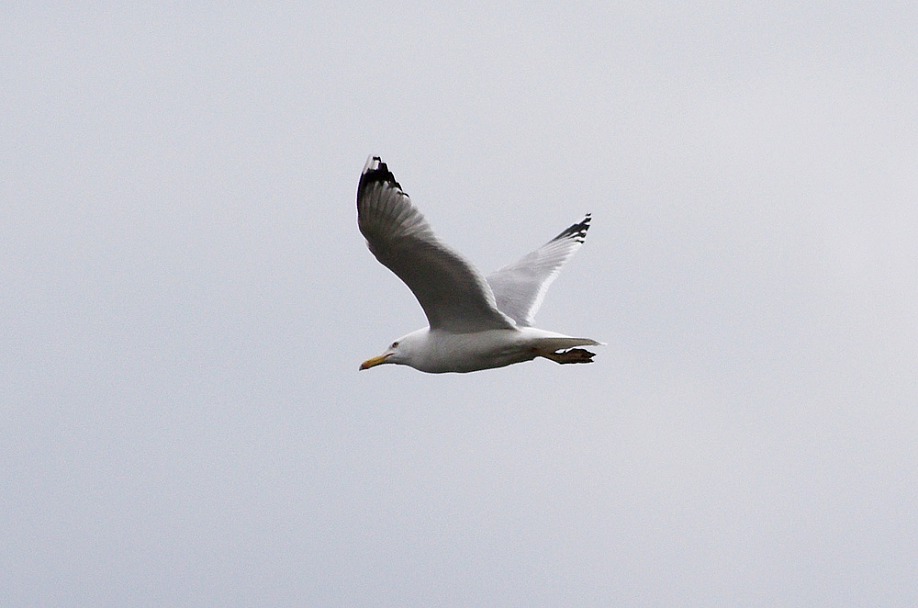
(562, 342)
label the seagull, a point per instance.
(475, 322)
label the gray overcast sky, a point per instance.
(185, 298)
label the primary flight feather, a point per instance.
(475, 322)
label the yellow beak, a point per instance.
(375, 361)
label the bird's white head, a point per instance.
(400, 352)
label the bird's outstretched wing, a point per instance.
(520, 287)
(454, 295)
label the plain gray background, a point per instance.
(185, 299)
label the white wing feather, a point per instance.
(520, 287)
(454, 295)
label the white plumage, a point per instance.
(475, 322)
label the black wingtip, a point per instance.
(577, 231)
(575, 355)
(376, 171)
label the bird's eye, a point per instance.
(394, 344)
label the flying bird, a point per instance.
(475, 322)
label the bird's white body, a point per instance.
(438, 351)
(476, 322)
